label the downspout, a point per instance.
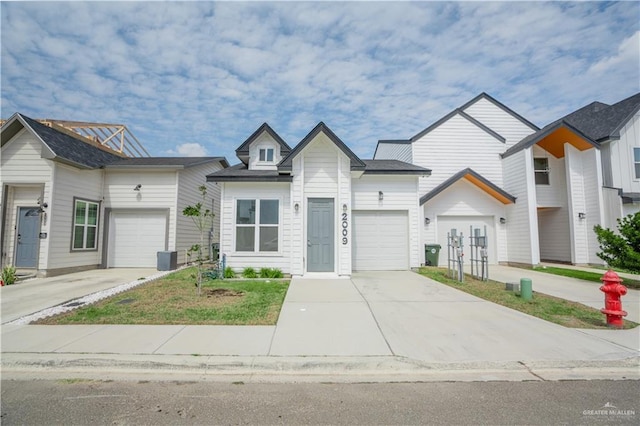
(5, 197)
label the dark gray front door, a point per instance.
(320, 238)
(27, 237)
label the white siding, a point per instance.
(500, 121)
(399, 193)
(257, 190)
(554, 194)
(21, 164)
(577, 196)
(555, 243)
(158, 191)
(522, 223)
(69, 183)
(612, 207)
(21, 196)
(189, 180)
(394, 151)
(264, 141)
(325, 173)
(622, 168)
(463, 199)
(454, 146)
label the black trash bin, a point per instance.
(167, 260)
(431, 254)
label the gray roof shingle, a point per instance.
(240, 173)
(393, 167)
(69, 149)
(179, 162)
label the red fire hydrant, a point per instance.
(612, 305)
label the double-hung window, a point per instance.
(257, 223)
(541, 169)
(85, 225)
(636, 162)
(266, 154)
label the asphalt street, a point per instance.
(78, 402)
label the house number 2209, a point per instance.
(345, 231)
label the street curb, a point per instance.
(269, 369)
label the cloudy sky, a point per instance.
(197, 78)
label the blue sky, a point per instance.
(197, 78)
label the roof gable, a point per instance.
(356, 163)
(502, 106)
(464, 115)
(476, 179)
(62, 146)
(243, 149)
(552, 139)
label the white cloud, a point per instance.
(212, 72)
(189, 150)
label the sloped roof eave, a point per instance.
(485, 185)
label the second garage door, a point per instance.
(380, 240)
(135, 237)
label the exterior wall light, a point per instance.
(427, 221)
(344, 208)
(503, 220)
(582, 215)
(380, 195)
(296, 207)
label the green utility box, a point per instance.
(431, 254)
(526, 288)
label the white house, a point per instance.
(537, 192)
(317, 208)
(71, 204)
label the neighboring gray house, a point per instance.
(69, 204)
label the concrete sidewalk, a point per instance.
(401, 322)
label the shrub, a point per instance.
(249, 272)
(9, 275)
(622, 249)
(270, 273)
(229, 273)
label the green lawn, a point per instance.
(174, 300)
(584, 275)
(549, 308)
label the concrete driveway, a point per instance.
(36, 294)
(405, 314)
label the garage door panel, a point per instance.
(381, 240)
(135, 238)
(462, 225)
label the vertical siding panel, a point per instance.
(522, 229)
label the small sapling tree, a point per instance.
(203, 219)
(622, 249)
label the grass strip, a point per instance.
(174, 300)
(584, 275)
(549, 308)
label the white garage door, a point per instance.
(135, 237)
(462, 224)
(380, 240)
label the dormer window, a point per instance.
(266, 155)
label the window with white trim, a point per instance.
(266, 155)
(257, 223)
(636, 161)
(85, 225)
(541, 169)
